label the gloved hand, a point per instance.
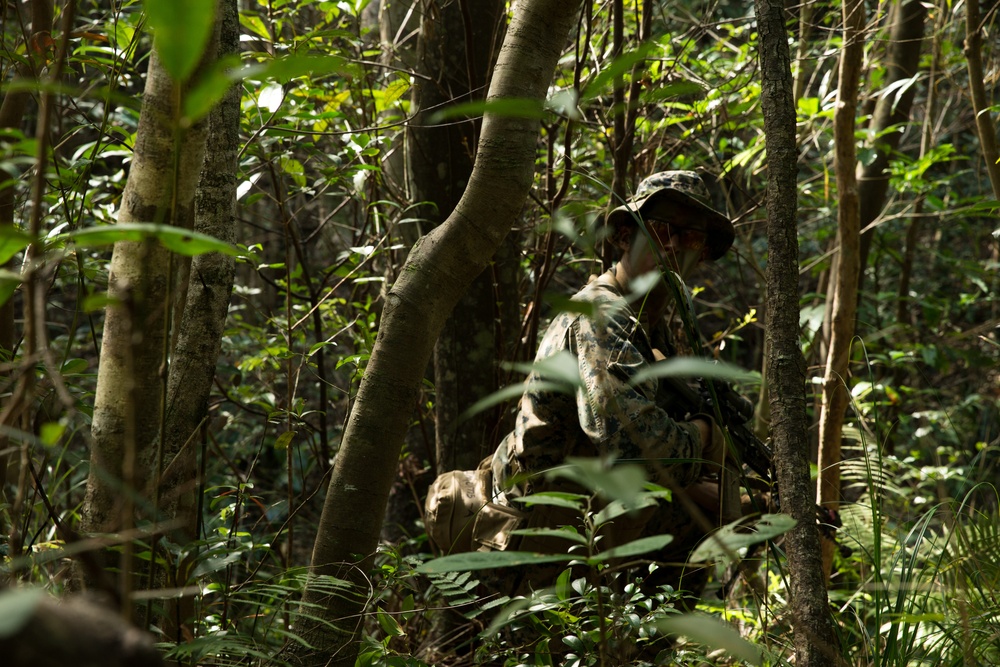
(713, 443)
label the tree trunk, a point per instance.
(815, 642)
(625, 112)
(894, 109)
(977, 86)
(12, 110)
(439, 269)
(161, 184)
(199, 335)
(836, 393)
(457, 47)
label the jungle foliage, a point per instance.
(324, 222)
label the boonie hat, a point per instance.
(681, 187)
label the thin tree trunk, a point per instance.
(977, 86)
(625, 113)
(12, 110)
(815, 642)
(836, 392)
(199, 335)
(908, 19)
(926, 141)
(161, 184)
(439, 269)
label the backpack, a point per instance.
(460, 514)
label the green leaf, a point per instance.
(51, 432)
(293, 168)
(508, 106)
(634, 548)
(392, 93)
(562, 367)
(12, 241)
(74, 366)
(693, 367)
(255, 24)
(732, 537)
(286, 68)
(210, 88)
(284, 440)
(488, 560)
(182, 241)
(181, 29)
(712, 633)
(624, 482)
(9, 282)
(507, 393)
(619, 67)
(16, 608)
(558, 533)
(573, 501)
(389, 624)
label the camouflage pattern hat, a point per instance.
(680, 187)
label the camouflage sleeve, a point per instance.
(620, 416)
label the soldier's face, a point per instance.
(680, 249)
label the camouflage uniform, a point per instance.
(609, 416)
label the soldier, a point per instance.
(614, 334)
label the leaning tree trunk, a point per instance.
(161, 184)
(439, 269)
(980, 102)
(908, 19)
(836, 392)
(815, 642)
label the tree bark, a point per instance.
(815, 642)
(12, 110)
(439, 269)
(199, 338)
(908, 19)
(836, 392)
(199, 335)
(161, 184)
(457, 47)
(980, 102)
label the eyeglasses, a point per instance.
(683, 238)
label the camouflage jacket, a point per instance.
(609, 414)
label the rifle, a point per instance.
(736, 412)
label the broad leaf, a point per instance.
(692, 367)
(713, 633)
(634, 548)
(16, 607)
(181, 241)
(488, 560)
(181, 29)
(731, 538)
